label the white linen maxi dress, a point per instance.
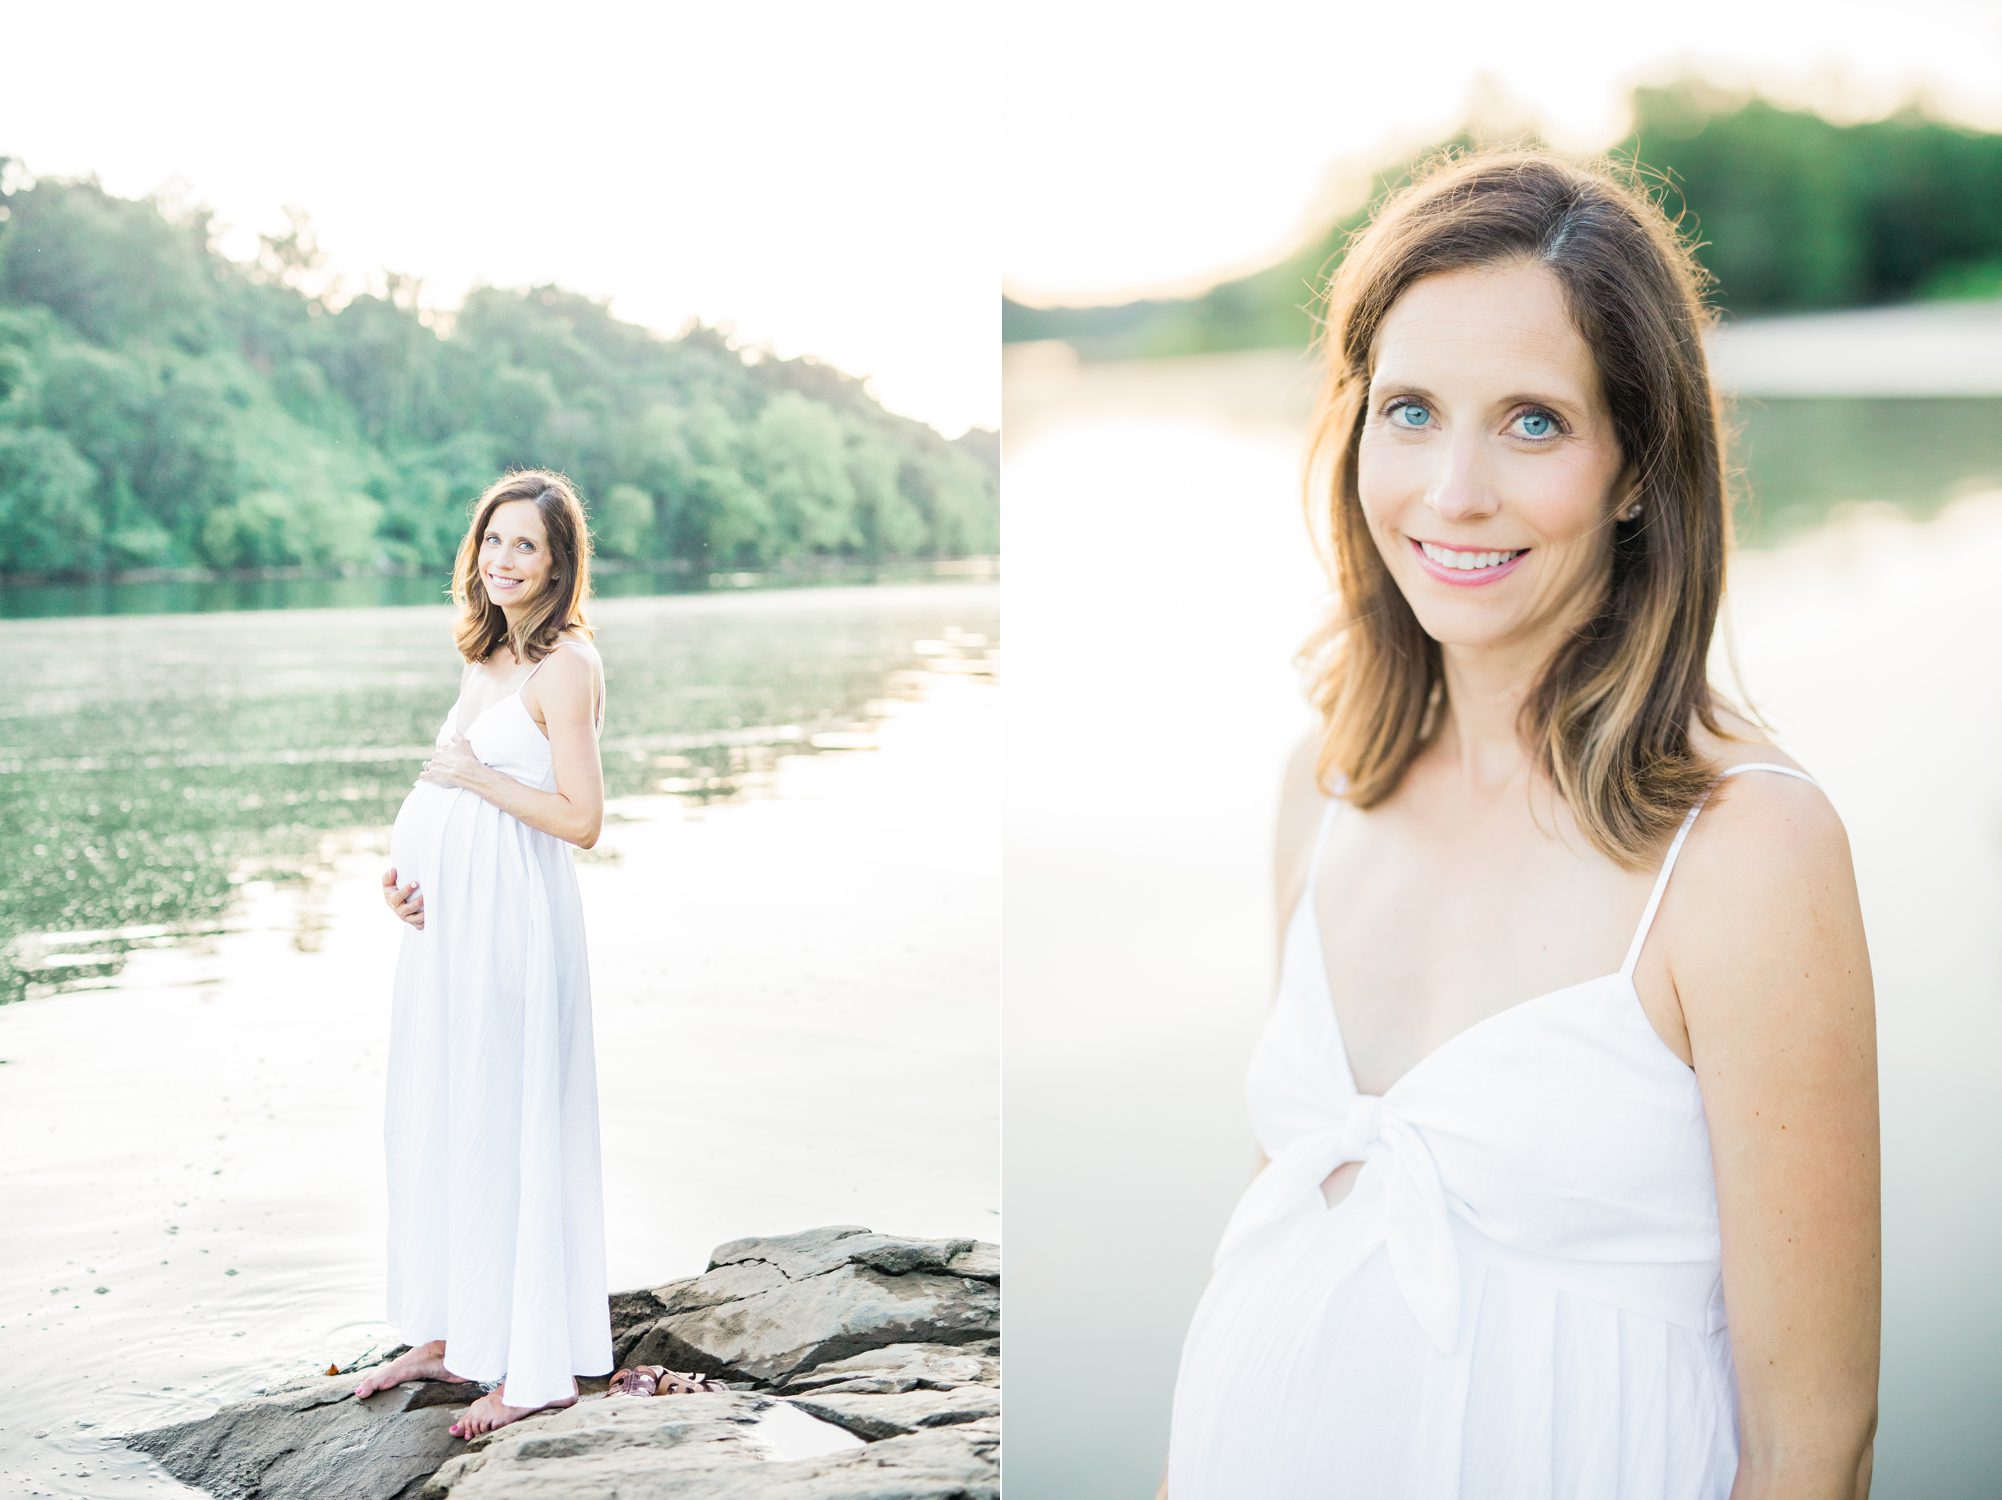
(496, 1216)
(1520, 1297)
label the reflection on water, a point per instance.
(152, 765)
(794, 993)
(1806, 458)
(1154, 517)
(296, 589)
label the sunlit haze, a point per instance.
(1149, 158)
(819, 180)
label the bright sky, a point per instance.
(823, 179)
(1155, 151)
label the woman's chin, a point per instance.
(1464, 641)
(1460, 630)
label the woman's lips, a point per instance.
(504, 585)
(1466, 577)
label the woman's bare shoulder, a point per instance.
(576, 658)
(572, 666)
(582, 644)
(1300, 794)
(1763, 841)
(576, 674)
(1300, 802)
(1750, 807)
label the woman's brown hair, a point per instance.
(1608, 722)
(482, 624)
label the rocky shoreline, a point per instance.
(861, 1366)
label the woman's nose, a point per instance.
(1460, 490)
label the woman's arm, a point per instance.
(1293, 838)
(1774, 984)
(575, 811)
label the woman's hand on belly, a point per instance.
(456, 765)
(406, 901)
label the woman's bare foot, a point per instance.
(425, 1362)
(490, 1411)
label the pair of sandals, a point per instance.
(658, 1380)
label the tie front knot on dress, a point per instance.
(1408, 1214)
(1363, 1126)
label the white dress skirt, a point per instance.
(1520, 1297)
(496, 1214)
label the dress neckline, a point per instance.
(514, 694)
(513, 697)
(1320, 954)
(1624, 975)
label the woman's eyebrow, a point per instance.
(1566, 403)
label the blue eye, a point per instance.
(1548, 426)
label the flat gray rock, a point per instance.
(892, 1415)
(868, 1367)
(769, 1308)
(816, 1250)
(311, 1440)
(604, 1446)
(635, 1449)
(903, 1367)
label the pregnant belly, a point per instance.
(417, 839)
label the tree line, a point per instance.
(162, 405)
(1790, 213)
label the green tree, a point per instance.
(801, 466)
(46, 509)
(622, 523)
(111, 268)
(243, 415)
(187, 466)
(889, 524)
(710, 512)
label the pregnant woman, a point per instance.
(496, 1221)
(1569, 1093)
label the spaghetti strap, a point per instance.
(1320, 838)
(597, 718)
(538, 666)
(1330, 801)
(1675, 849)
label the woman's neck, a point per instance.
(1479, 737)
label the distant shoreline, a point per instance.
(696, 577)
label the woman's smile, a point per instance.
(1463, 567)
(502, 585)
